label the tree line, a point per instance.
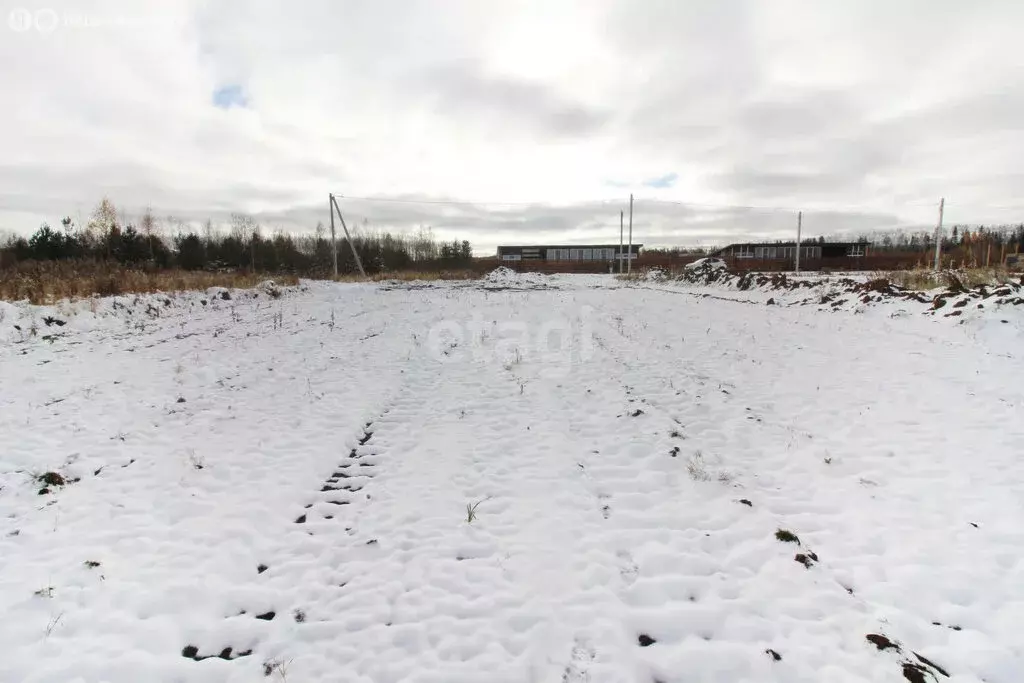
(245, 247)
(959, 236)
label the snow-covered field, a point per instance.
(521, 479)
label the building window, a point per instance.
(744, 252)
(575, 254)
(856, 250)
(512, 257)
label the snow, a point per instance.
(506, 277)
(631, 451)
(21, 321)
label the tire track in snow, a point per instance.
(783, 491)
(722, 553)
(295, 582)
(512, 593)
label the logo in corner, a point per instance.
(20, 19)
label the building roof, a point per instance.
(791, 243)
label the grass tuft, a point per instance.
(471, 510)
(787, 536)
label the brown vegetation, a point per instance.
(49, 281)
(924, 279)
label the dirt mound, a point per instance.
(841, 292)
(506, 278)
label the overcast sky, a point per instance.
(861, 113)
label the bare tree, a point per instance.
(245, 228)
(103, 221)
(147, 224)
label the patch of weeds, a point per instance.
(278, 666)
(196, 461)
(787, 536)
(744, 501)
(46, 592)
(471, 511)
(299, 616)
(773, 654)
(675, 434)
(697, 468)
(261, 568)
(52, 624)
(645, 640)
(91, 564)
(636, 413)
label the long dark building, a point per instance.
(767, 251)
(568, 252)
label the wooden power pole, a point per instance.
(938, 236)
(629, 263)
(334, 240)
(621, 218)
(351, 244)
(799, 225)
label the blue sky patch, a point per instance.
(230, 96)
(667, 180)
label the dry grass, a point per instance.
(47, 282)
(410, 275)
(923, 279)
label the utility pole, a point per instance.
(799, 225)
(621, 218)
(351, 244)
(629, 263)
(938, 235)
(334, 241)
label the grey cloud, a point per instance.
(463, 88)
(838, 105)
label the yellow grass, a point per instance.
(47, 282)
(924, 279)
